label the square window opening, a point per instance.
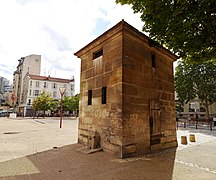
(98, 54)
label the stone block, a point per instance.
(171, 144)
(129, 149)
(108, 66)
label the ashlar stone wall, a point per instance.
(104, 71)
(139, 114)
(144, 85)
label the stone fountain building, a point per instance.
(127, 101)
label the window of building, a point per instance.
(89, 97)
(22, 97)
(29, 101)
(45, 84)
(191, 109)
(65, 85)
(153, 59)
(65, 94)
(104, 95)
(72, 87)
(30, 92)
(30, 83)
(37, 84)
(54, 94)
(36, 92)
(97, 53)
(54, 85)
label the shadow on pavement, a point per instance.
(68, 163)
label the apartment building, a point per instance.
(3, 84)
(5, 91)
(30, 64)
(34, 85)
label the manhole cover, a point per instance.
(11, 132)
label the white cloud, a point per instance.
(55, 29)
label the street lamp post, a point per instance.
(62, 91)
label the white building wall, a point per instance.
(31, 64)
(32, 86)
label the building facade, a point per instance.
(4, 83)
(34, 85)
(30, 64)
(127, 93)
(188, 110)
(5, 91)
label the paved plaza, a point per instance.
(39, 149)
(24, 136)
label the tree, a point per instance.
(70, 103)
(66, 103)
(187, 27)
(54, 105)
(196, 80)
(43, 102)
(75, 102)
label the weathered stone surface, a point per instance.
(139, 114)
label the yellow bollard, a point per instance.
(192, 138)
(184, 140)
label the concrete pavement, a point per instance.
(193, 161)
(20, 137)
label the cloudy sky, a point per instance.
(55, 29)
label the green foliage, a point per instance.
(179, 107)
(66, 103)
(75, 102)
(196, 80)
(70, 103)
(43, 102)
(187, 27)
(54, 105)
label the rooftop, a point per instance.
(124, 26)
(48, 78)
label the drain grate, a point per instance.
(11, 133)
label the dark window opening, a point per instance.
(153, 58)
(89, 97)
(97, 54)
(104, 94)
(29, 101)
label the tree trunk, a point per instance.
(207, 107)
